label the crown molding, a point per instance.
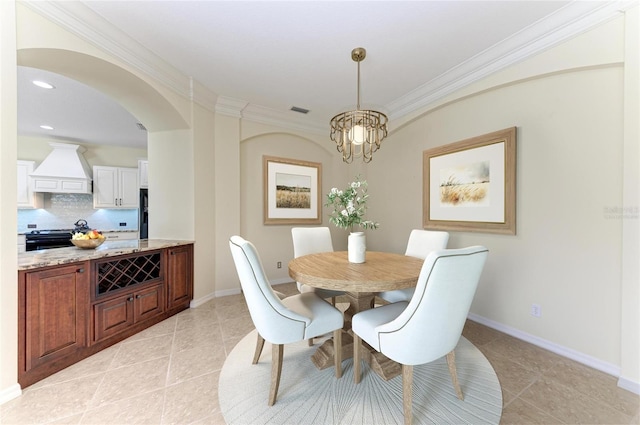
(569, 21)
(81, 21)
(230, 106)
(201, 95)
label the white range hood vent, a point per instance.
(64, 170)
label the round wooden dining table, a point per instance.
(382, 271)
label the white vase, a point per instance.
(357, 247)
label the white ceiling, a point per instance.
(276, 55)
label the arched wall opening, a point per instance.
(133, 93)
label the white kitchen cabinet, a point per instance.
(22, 243)
(115, 187)
(120, 236)
(27, 198)
(143, 165)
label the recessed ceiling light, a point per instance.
(43, 84)
(46, 127)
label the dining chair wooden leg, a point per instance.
(333, 301)
(310, 341)
(259, 346)
(357, 345)
(407, 385)
(451, 361)
(337, 351)
(276, 369)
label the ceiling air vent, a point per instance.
(141, 127)
(301, 110)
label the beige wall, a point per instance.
(274, 241)
(568, 251)
(565, 249)
(630, 317)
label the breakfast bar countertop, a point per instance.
(53, 257)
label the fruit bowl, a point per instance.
(87, 243)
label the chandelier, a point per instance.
(358, 133)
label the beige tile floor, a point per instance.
(168, 374)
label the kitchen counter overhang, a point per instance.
(59, 256)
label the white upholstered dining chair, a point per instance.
(313, 240)
(429, 326)
(421, 243)
(292, 319)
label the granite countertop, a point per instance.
(53, 257)
(101, 231)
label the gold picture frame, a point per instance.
(292, 191)
(470, 185)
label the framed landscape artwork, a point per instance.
(292, 190)
(470, 186)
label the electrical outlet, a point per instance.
(123, 224)
(32, 226)
(536, 310)
(279, 264)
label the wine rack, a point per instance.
(125, 272)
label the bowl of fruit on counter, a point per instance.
(90, 239)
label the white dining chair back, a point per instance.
(429, 326)
(313, 240)
(421, 243)
(275, 322)
(433, 320)
(280, 322)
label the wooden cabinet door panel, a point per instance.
(56, 319)
(149, 302)
(112, 316)
(179, 275)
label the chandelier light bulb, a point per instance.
(357, 134)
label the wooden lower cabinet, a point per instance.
(69, 312)
(114, 316)
(180, 275)
(55, 317)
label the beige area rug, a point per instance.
(311, 396)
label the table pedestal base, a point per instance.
(379, 363)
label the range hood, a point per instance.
(64, 170)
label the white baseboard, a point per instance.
(569, 353)
(629, 385)
(198, 302)
(201, 300)
(235, 291)
(10, 393)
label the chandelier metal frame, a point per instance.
(358, 133)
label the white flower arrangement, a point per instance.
(349, 206)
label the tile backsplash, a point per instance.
(61, 210)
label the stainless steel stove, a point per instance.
(47, 239)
